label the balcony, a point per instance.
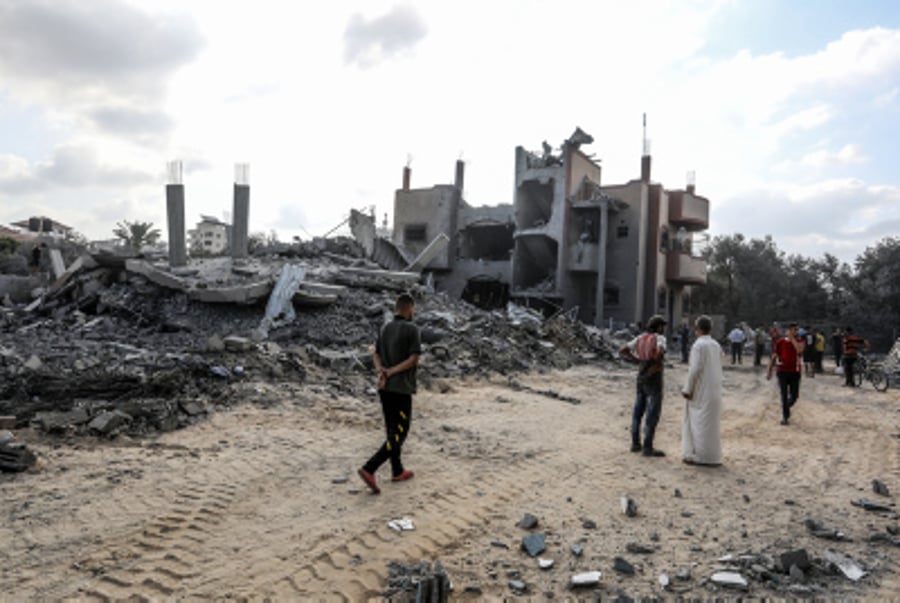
(688, 210)
(584, 257)
(684, 269)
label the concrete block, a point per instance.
(7, 422)
(106, 422)
(233, 343)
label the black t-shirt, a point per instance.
(398, 340)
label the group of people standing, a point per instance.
(398, 347)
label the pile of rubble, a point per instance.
(117, 345)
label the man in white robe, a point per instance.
(700, 431)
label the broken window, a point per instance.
(486, 292)
(661, 300)
(490, 242)
(664, 239)
(534, 204)
(413, 233)
(622, 231)
(535, 263)
(610, 295)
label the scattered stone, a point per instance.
(403, 524)
(534, 544)
(192, 409)
(577, 550)
(545, 563)
(654, 536)
(33, 363)
(339, 480)
(664, 581)
(7, 422)
(789, 502)
(746, 498)
(730, 580)
(528, 522)
(883, 538)
(879, 488)
(696, 548)
(586, 579)
(220, 371)
(589, 524)
(15, 458)
(518, 585)
(687, 514)
(797, 574)
(797, 557)
(848, 566)
(637, 548)
(59, 421)
(677, 493)
(688, 532)
(869, 505)
(6, 436)
(233, 343)
(215, 344)
(629, 506)
(683, 574)
(499, 545)
(818, 529)
(106, 422)
(623, 566)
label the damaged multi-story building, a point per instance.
(609, 254)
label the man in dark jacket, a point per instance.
(396, 357)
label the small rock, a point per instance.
(879, 488)
(233, 343)
(6, 436)
(215, 344)
(746, 498)
(106, 422)
(499, 545)
(637, 548)
(789, 502)
(683, 574)
(518, 585)
(687, 514)
(577, 550)
(654, 536)
(33, 363)
(623, 567)
(339, 480)
(677, 493)
(589, 524)
(798, 557)
(545, 563)
(586, 579)
(528, 522)
(664, 581)
(869, 505)
(688, 532)
(534, 544)
(730, 580)
(629, 506)
(797, 574)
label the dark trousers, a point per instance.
(849, 363)
(397, 410)
(789, 384)
(757, 357)
(648, 401)
(737, 350)
(838, 356)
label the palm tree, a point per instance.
(137, 234)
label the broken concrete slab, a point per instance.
(53, 421)
(234, 294)
(435, 247)
(57, 265)
(155, 274)
(729, 580)
(106, 422)
(845, 564)
(280, 308)
(15, 458)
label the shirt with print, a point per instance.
(650, 354)
(398, 340)
(853, 344)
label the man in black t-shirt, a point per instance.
(396, 357)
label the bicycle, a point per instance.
(873, 372)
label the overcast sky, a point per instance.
(787, 110)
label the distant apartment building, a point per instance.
(210, 237)
(42, 225)
(609, 254)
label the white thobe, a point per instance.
(700, 431)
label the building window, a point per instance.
(661, 300)
(622, 231)
(664, 239)
(414, 233)
(610, 296)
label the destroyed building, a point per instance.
(610, 254)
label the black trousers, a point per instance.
(737, 352)
(849, 363)
(789, 384)
(759, 350)
(397, 410)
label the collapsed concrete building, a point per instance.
(610, 255)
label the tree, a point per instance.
(136, 234)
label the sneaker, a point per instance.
(407, 474)
(653, 452)
(636, 448)
(785, 422)
(370, 481)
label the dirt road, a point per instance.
(264, 501)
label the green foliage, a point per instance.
(8, 246)
(136, 234)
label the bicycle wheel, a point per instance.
(879, 380)
(858, 377)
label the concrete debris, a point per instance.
(280, 308)
(528, 522)
(845, 564)
(586, 579)
(518, 585)
(233, 343)
(15, 458)
(545, 563)
(798, 557)
(577, 550)
(420, 580)
(879, 488)
(636, 548)
(534, 544)
(629, 506)
(730, 580)
(8, 422)
(106, 422)
(622, 566)
(870, 505)
(33, 363)
(6, 437)
(819, 530)
(404, 524)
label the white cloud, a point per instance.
(370, 41)
(847, 155)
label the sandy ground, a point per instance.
(254, 502)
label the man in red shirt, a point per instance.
(786, 355)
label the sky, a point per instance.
(787, 111)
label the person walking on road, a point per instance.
(759, 345)
(837, 345)
(701, 442)
(787, 353)
(649, 350)
(737, 337)
(396, 356)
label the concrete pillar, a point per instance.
(175, 215)
(460, 175)
(407, 176)
(645, 168)
(601, 265)
(241, 220)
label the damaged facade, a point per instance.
(608, 254)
